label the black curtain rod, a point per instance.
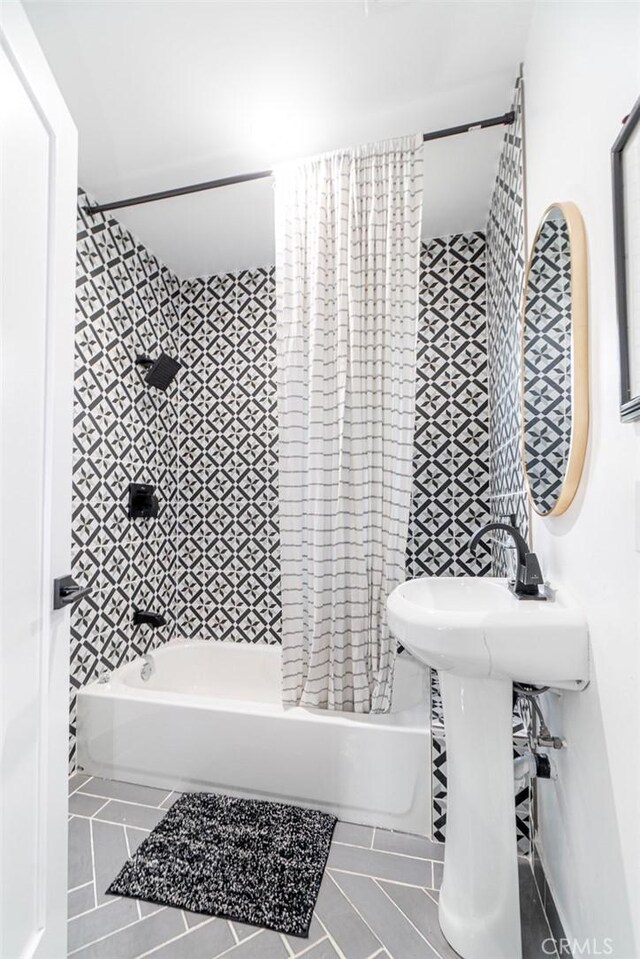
(505, 120)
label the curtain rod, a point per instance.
(505, 120)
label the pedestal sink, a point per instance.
(481, 638)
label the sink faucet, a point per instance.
(528, 574)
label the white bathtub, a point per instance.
(210, 717)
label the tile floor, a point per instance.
(378, 897)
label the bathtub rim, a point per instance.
(415, 717)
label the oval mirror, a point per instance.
(554, 361)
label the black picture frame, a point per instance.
(629, 405)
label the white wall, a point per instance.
(582, 75)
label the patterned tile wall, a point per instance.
(228, 549)
(547, 370)
(210, 442)
(451, 477)
(435, 472)
(522, 799)
(505, 278)
(229, 578)
(126, 303)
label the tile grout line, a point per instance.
(328, 936)
(105, 803)
(177, 938)
(233, 932)
(206, 920)
(128, 802)
(385, 852)
(368, 875)
(126, 841)
(88, 912)
(93, 867)
(307, 949)
(404, 916)
(357, 912)
(127, 825)
(286, 945)
(542, 907)
(118, 822)
(234, 946)
(402, 855)
(74, 791)
(81, 886)
(351, 845)
(156, 910)
(113, 932)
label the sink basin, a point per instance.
(477, 627)
(481, 638)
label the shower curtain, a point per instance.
(348, 230)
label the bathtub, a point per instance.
(210, 718)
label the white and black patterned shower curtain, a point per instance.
(347, 257)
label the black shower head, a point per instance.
(160, 372)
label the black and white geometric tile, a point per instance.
(506, 497)
(228, 546)
(505, 278)
(127, 303)
(547, 366)
(450, 498)
(228, 500)
(211, 560)
(522, 799)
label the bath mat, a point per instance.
(242, 859)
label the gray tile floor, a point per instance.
(378, 897)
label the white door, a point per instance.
(37, 251)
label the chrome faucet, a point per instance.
(528, 574)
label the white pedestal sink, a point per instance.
(481, 638)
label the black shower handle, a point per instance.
(66, 592)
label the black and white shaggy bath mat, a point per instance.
(243, 859)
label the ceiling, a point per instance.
(170, 93)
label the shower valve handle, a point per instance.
(66, 592)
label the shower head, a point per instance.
(160, 372)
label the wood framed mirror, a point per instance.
(554, 376)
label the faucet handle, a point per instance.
(532, 575)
